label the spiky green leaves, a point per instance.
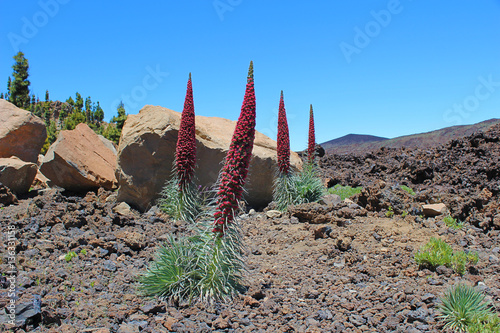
(199, 268)
(283, 139)
(235, 169)
(185, 153)
(465, 309)
(311, 147)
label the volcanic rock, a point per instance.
(6, 196)
(434, 209)
(22, 134)
(147, 149)
(17, 174)
(79, 160)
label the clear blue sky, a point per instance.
(386, 68)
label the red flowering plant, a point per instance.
(283, 140)
(179, 197)
(311, 147)
(235, 169)
(306, 185)
(283, 193)
(208, 265)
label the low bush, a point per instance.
(437, 252)
(407, 189)
(344, 191)
(453, 223)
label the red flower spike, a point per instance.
(185, 154)
(283, 139)
(311, 148)
(235, 169)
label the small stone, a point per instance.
(428, 298)
(109, 266)
(357, 320)
(169, 323)
(256, 251)
(123, 209)
(419, 314)
(330, 199)
(376, 236)
(324, 314)
(431, 210)
(322, 232)
(344, 243)
(482, 286)
(250, 301)
(273, 214)
(294, 220)
(153, 308)
(443, 270)
(493, 259)
(252, 212)
(221, 323)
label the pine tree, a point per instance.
(88, 110)
(98, 113)
(46, 96)
(122, 116)
(79, 102)
(7, 95)
(19, 88)
(33, 103)
(1, 95)
(114, 130)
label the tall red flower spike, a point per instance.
(311, 148)
(283, 139)
(235, 169)
(185, 153)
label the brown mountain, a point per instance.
(351, 139)
(353, 143)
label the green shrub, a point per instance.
(390, 212)
(344, 191)
(453, 223)
(306, 186)
(407, 189)
(70, 255)
(464, 309)
(283, 191)
(437, 252)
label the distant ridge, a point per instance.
(348, 144)
(350, 139)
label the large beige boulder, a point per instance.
(17, 174)
(79, 160)
(147, 149)
(22, 134)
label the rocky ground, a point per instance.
(353, 275)
(324, 267)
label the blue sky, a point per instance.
(386, 68)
